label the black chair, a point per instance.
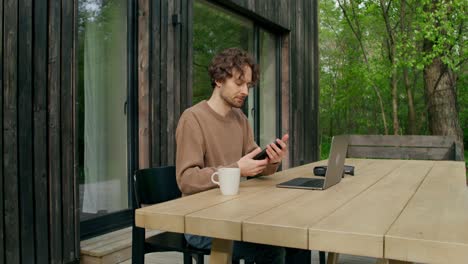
(152, 186)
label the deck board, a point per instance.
(177, 258)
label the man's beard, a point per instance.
(232, 102)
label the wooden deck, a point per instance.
(176, 258)
(115, 247)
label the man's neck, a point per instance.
(219, 105)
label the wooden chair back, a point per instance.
(404, 147)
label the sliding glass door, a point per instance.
(101, 109)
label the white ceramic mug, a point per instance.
(229, 179)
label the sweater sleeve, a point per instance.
(192, 175)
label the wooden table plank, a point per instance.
(433, 228)
(225, 220)
(287, 225)
(358, 227)
(170, 216)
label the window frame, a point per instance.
(278, 33)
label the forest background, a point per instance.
(396, 67)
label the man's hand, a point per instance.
(276, 154)
(250, 167)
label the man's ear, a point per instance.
(219, 83)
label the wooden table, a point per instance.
(406, 210)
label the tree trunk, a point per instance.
(411, 111)
(441, 97)
(439, 83)
(396, 123)
(391, 47)
(405, 31)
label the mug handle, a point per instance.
(212, 178)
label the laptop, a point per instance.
(334, 172)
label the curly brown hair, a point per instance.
(222, 65)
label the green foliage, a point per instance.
(441, 23)
(466, 162)
(462, 93)
(325, 146)
(355, 62)
(214, 30)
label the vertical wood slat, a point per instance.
(183, 62)
(283, 13)
(303, 50)
(40, 132)
(143, 85)
(276, 12)
(285, 94)
(2, 212)
(12, 236)
(177, 75)
(306, 104)
(25, 170)
(293, 108)
(171, 89)
(155, 82)
(315, 74)
(66, 132)
(189, 62)
(54, 142)
(299, 99)
(10, 152)
(250, 4)
(164, 83)
(307, 86)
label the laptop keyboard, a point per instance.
(314, 183)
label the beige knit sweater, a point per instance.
(207, 141)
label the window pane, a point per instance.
(214, 29)
(267, 88)
(101, 96)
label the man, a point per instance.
(215, 133)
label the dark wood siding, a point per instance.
(170, 71)
(143, 80)
(66, 132)
(170, 79)
(38, 221)
(10, 133)
(155, 80)
(275, 12)
(2, 212)
(40, 132)
(25, 130)
(53, 100)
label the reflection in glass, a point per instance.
(214, 30)
(101, 96)
(267, 88)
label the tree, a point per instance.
(443, 33)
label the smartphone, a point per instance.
(263, 154)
